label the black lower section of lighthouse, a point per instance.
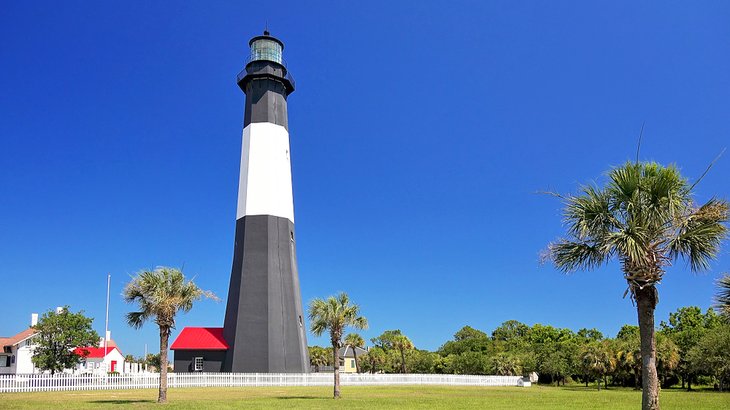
(264, 324)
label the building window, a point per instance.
(352, 364)
(4, 361)
(198, 364)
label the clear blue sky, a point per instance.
(420, 134)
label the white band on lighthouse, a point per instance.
(265, 187)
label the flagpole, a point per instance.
(106, 329)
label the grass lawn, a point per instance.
(370, 397)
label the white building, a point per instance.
(17, 351)
(97, 360)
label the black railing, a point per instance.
(288, 76)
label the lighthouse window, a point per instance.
(266, 50)
(300, 321)
(292, 235)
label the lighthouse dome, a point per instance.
(266, 48)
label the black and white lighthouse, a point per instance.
(264, 324)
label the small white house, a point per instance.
(17, 351)
(98, 360)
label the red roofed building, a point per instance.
(97, 361)
(199, 349)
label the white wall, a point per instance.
(23, 356)
(265, 184)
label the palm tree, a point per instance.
(335, 314)
(160, 294)
(505, 364)
(375, 358)
(644, 217)
(402, 343)
(354, 340)
(317, 357)
(723, 296)
(597, 359)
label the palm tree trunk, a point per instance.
(645, 303)
(336, 353)
(357, 365)
(164, 339)
(403, 359)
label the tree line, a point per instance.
(692, 347)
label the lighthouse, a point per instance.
(264, 324)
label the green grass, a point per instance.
(371, 397)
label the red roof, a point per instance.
(200, 338)
(94, 352)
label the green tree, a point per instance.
(467, 339)
(403, 344)
(468, 332)
(468, 363)
(722, 299)
(318, 357)
(686, 327)
(334, 314)
(59, 334)
(589, 335)
(711, 355)
(374, 360)
(160, 294)
(628, 354)
(510, 330)
(554, 361)
(505, 364)
(396, 341)
(153, 361)
(355, 340)
(667, 356)
(645, 217)
(596, 360)
(424, 362)
(385, 340)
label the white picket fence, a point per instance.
(64, 382)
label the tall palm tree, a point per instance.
(723, 296)
(334, 314)
(160, 294)
(354, 340)
(644, 217)
(402, 343)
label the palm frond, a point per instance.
(722, 299)
(160, 294)
(700, 234)
(569, 256)
(334, 314)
